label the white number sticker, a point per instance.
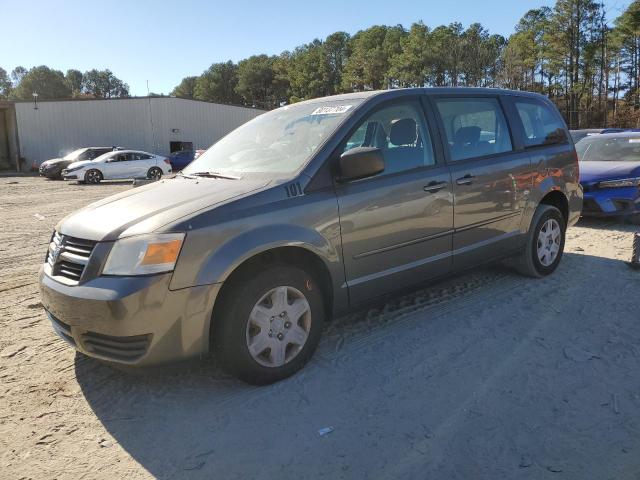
(331, 110)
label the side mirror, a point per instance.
(360, 162)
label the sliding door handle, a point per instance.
(466, 180)
(433, 187)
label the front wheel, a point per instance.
(93, 176)
(154, 173)
(545, 243)
(269, 324)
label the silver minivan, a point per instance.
(305, 212)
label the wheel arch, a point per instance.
(557, 199)
(297, 255)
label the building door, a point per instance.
(180, 146)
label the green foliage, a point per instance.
(568, 52)
(103, 84)
(186, 88)
(371, 50)
(218, 84)
(47, 83)
(5, 84)
(73, 80)
(256, 81)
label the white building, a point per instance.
(51, 129)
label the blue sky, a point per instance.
(164, 41)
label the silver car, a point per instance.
(305, 212)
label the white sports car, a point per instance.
(118, 165)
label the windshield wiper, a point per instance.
(215, 175)
(180, 174)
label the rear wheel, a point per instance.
(154, 173)
(93, 176)
(269, 324)
(545, 243)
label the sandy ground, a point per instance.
(487, 375)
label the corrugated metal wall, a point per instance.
(57, 128)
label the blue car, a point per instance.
(610, 174)
(181, 159)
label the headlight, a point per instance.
(73, 169)
(144, 254)
(625, 182)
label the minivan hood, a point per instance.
(146, 209)
(604, 170)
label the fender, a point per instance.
(237, 250)
(538, 192)
(221, 260)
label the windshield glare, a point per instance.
(611, 149)
(74, 155)
(280, 141)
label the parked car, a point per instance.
(181, 159)
(53, 168)
(121, 164)
(610, 174)
(307, 211)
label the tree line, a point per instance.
(573, 53)
(21, 84)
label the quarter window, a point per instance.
(474, 127)
(400, 133)
(540, 123)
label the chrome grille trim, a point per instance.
(68, 256)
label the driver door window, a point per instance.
(399, 131)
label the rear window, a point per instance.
(540, 123)
(475, 127)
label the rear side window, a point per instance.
(475, 127)
(540, 123)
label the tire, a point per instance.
(531, 263)
(253, 298)
(93, 177)
(154, 173)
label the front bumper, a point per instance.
(131, 320)
(50, 173)
(611, 202)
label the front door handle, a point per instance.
(466, 180)
(433, 187)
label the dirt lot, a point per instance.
(487, 375)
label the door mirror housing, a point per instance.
(360, 162)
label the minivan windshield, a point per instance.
(279, 141)
(609, 148)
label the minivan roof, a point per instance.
(397, 92)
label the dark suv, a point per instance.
(306, 211)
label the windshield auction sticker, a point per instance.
(331, 110)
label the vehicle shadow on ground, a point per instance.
(370, 379)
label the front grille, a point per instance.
(116, 348)
(68, 256)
